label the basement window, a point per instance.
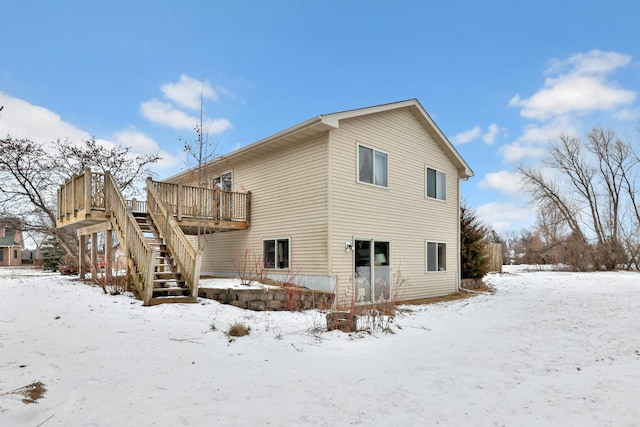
(276, 253)
(436, 256)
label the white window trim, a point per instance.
(374, 166)
(372, 241)
(288, 239)
(426, 184)
(426, 257)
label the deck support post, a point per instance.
(82, 252)
(94, 252)
(108, 258)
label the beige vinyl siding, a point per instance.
(400, 213)
(288, 200)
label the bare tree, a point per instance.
(201, 151)
(594, 195)
(30, 175)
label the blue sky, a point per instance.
(501, 79)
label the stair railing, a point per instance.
(132, 239)
(186, 256)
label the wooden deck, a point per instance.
(82, 203)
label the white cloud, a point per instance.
(187, 92)
(506, 181)
(216, 126)
(169, 163)
(628, 114)
(20, 119)
(535, 139)
(136, 140)
(548, 132)
(505, 216)
(492, 133)
(517, 151)
(580, 87)
(592, 62)
(489, 137)
(163, 113)
(571, 94)
(467, 136)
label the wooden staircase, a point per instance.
(164, 264)
(169, 284)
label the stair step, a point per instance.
(164, 275)
(176, 291)
(163, 284)
(163, 300)
(164, 262)
(169, 286)
(163, 280)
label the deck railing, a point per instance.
(139, 206)
(204, 203)
(86, 192)
(82, 192)
(136, 247)
(185, 255)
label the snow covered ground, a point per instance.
(546, 349)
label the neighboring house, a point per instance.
(11, 243)
(363, 202)
(31, 256)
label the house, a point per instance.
(362, 202)
(11, 243)
(32, 256)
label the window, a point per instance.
(373, 166)
(15, 254)
(436, 256)
(224, 181)
(436, 184)
(276, 253)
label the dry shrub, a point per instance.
(31, 392)
(379, 315)
(249, 267)
(118, 285)
(238, 330)
(68, 265)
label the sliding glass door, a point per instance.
(372, 270)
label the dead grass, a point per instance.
(484, 289)
(238, 330)
(31, 392)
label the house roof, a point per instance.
(326, 122)
(9, 238)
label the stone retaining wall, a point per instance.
(274, 299)
(471, 283)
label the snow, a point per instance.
(230, 283)
(547, 348)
